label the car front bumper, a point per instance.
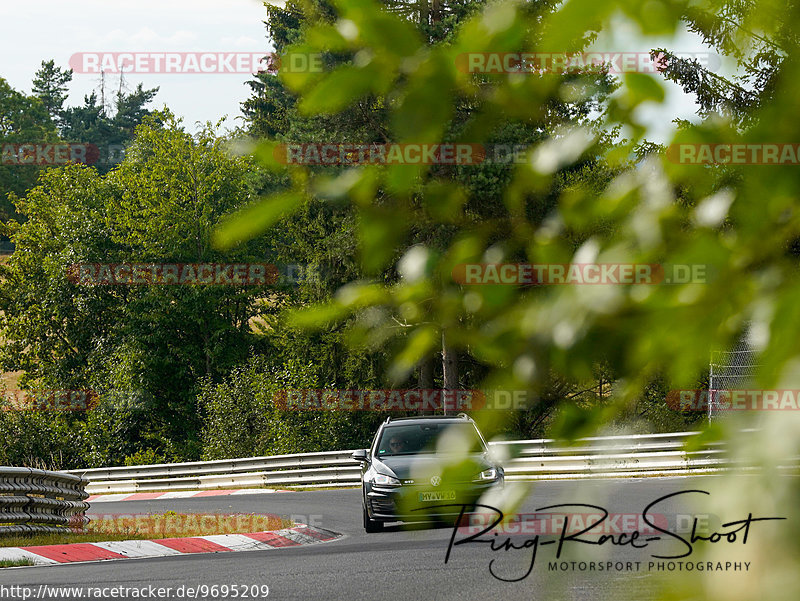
(405, 503)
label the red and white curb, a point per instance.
(182, 494)
(300, 534)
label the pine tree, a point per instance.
(730, 29)
(50, 86)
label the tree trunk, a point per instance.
(425, 373)
(423, 12)
(436, 12)
(449, 367)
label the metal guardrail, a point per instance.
(524, 460)
(330, 468)
(610, 456)
(38, 501)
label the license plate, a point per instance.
(442, 495)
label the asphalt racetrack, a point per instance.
(402, 564)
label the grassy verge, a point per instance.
(15, 563)
(116, 527)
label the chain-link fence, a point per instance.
(734, 369)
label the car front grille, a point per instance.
(383, 506)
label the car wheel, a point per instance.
(371, 525)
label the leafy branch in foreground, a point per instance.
(738, 220)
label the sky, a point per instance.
(53, 29)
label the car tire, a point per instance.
(371, 526)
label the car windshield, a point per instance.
(430, 438)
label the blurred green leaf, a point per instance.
(255, 219)
(642, 87)
(339, 88)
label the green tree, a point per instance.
(111, 133)
(243, 419)
(50, 85)
(144, 348)
(23, 120)
(42, 119)
(328, 236)
(734, 30)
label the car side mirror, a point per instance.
(360, 455)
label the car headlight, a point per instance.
(384, 480)
(490, 474)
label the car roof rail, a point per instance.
(410, 417)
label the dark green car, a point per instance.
(424, 469)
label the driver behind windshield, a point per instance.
(397, 444)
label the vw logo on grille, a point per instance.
(436, 480)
